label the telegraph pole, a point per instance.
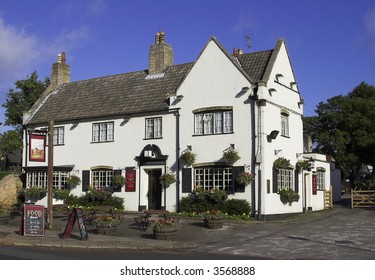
(50, 176)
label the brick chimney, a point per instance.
(161, 55)
(60, 73)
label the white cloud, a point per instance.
(370, 21)
(96, 8)
(17, 51)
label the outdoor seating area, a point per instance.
(149, 216)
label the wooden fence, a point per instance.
(362, 199)
(328, 198)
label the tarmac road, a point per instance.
(340, 233)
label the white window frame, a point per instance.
(58, 135)
(102, 179)
(154, 128)
(209, 123)
(102, 132)
(284, 178)
(39, 179)
(320, 180)
(214, 177)
(284, 124)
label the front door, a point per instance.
(154, 189)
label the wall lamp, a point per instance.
(272, 135)
(312, 163)
(278, 152)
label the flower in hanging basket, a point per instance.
(73, 181)
(188, 158)
(244, 178)
(168, 178)
(288, 196)
(282, 163)
(231, 156)
(303, 165)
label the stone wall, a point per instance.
(9, 186)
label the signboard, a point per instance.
(32, 223)
(314, 186)
(37, 147)
(130, 180)
(76, 214)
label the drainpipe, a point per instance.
(253, 151)
(177, 114)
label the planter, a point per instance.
(165, 234)
(106, 230)
(213, 223)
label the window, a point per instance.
(58, 136)
(102, 132)
(102, 179)
(284, 178)
(153, 128)
(320, 180)
(213, 123)
(40, 179)
(214, 177)
(284, 124)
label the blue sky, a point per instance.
(331, 43)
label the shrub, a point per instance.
(236, 207)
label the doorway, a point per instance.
(154, 189)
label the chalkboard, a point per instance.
(76, 214)
(32, 220)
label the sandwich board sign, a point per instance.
(32, 223)
(76, 215)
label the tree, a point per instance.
(345, 129)
(16, 104)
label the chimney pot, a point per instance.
(234, 51)
(160, 56)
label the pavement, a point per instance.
(337, 233)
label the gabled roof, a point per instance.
(116, 95)
(129, 93)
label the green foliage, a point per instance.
(231, 156)
(61, 194)
(74, 180)
(10, 142)
(96, 198)
(168, 178)
(236, 207)
(244, 178)
(288, 196)
(282, 163)
(188, 158)
(35, 193)
(345, 129)
(18, 102)
(303, 165)
(118, 181)
(202, 201)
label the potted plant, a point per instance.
(231, 156)
(288, 196)
(188, 158)
(282, 163)
(73, 181)
(168, 179)
(105, 224)
(244, 178)
(165, 228)
(118, 182)
(213, 219)
(303, 165)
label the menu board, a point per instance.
(33, 220)
(76, 214)
(130, 180)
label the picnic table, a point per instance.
(150, 216)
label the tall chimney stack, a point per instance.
(60, 73)
(161, 55)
